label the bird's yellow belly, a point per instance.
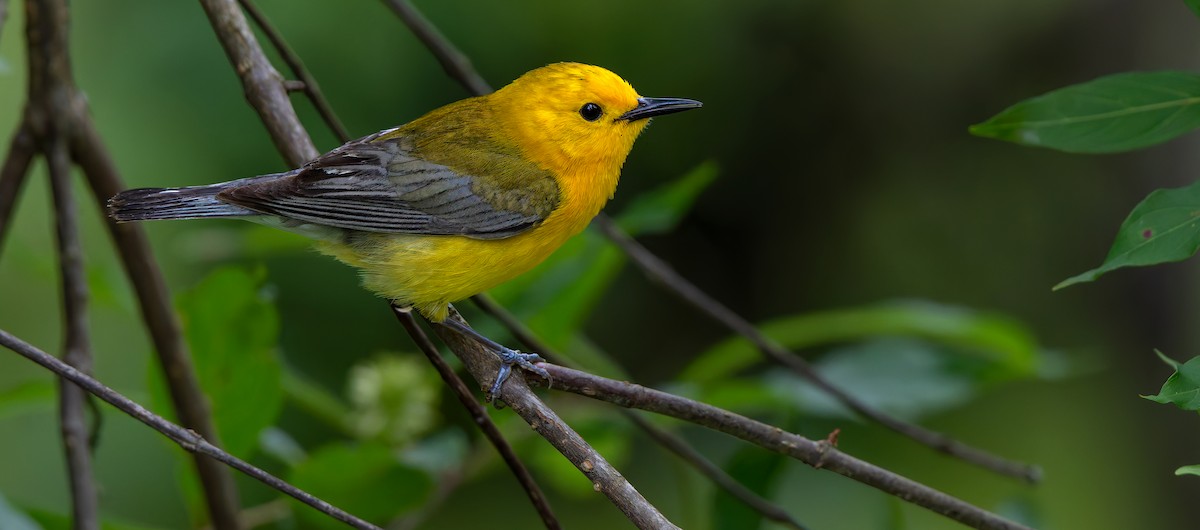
(430, 272)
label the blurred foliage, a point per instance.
(844, 179)
(1182, 389)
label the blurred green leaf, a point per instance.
(1188, 470)
(1183, 387)
(1114, 113)
(903, 378)
(232, 330)
(13, 519)
(1164, 227)
(756, 469)
(659, 211)
(36, 395)
(555, 298)
(280, 445)
(366, 480)
(318, 402)
(1163, 357)
(999, 339)
(1194, 5)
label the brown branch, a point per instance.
(308, 82)
(77, 352)
(662, 273)
(188, 439)
(663, 437)
(13, 174)
(262, 83)
(480, 416)
(605, 478)
(456, 63)
(188, 399)
(818, 454)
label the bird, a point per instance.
(453, 203)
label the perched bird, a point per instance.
(453, 203)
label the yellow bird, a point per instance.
(453, 203)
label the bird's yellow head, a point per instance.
(568, 115)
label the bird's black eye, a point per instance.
(591, 111)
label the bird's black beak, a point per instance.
(651, 107)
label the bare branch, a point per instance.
(308, 82)
(663, 437)
(77, 352)
(187, 397)
(186, 438)
(13, 173)
(820, 455)
(456, 63)
(663, 274)
(482, 365)
(480, 416)
(262, 83)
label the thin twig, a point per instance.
(73, 424)
(605, 478)
(663, 437)
(818, 454)
(13, 174)
(661, 272)
(713, 472)
(310, 87)
(186, 438)
(480, 416)
(188, 399)
(262, 83)
(456, 63)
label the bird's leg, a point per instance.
(508, 356)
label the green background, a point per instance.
(846, 177)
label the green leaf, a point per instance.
(1164, 227)
(1163, 357)
(1107, 115)
(367, 480)
(1194, 5)
(999, 339)
(758, 471)
(903, 378)
(232, 330)
(659, 211)
(36, 395)
(395, 398)
(1182, 388)
(1188, 470)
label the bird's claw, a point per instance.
(524, 361)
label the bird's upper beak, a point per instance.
(651, 107)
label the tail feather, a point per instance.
(193, 202)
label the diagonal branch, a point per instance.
(76, 345)
(818, 454)
(480, 416)
(663, 274)
(186, 438)
(663, 437)
(457, 64)
(605, 478)
(311, 89)
(262, 83)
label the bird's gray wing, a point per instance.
(377, 185)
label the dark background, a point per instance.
(846, 177)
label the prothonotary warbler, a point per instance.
(453, 203)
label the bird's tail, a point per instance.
(192, 202)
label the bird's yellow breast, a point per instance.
(430, 272)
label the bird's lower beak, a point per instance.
(651, 107)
